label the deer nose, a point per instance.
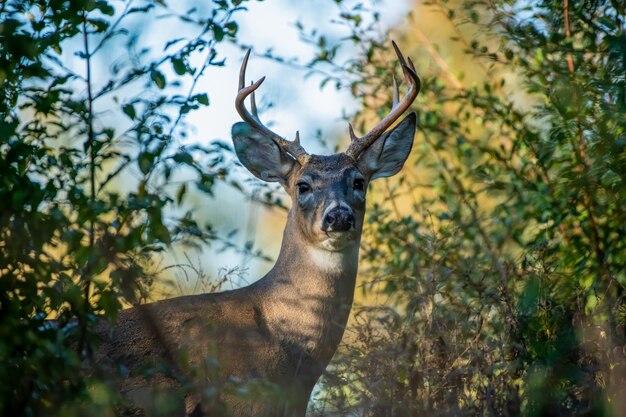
(338, 220)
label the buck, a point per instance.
(282, 330)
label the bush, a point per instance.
(500, 255)
(87, 162)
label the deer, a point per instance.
(283, 329)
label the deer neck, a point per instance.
(309, 293)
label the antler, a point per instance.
(358, 145)
(292, 148)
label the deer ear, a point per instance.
(260, 154)
(387, 155)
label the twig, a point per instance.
(438, 59)
(568, 35)
(92, 183)
(392, 198)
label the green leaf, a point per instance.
(100, 25)
(218, 32)
(231, 28)
(223, 4)
(182, 190)
(183, 157)
(105, 8)
(145, 162)
(202, 99)
(179, 66)
(205, 183)
(129, 110)
(160, 232)
(158, 78)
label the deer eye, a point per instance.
(303, 187)
(359, 184)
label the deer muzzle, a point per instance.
(339, 219)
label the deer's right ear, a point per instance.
(261, 155)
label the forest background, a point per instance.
(492, 270)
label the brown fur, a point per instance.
(283, 329)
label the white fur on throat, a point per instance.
(334, 261)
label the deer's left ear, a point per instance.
(387, 155)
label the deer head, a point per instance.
(328, 191)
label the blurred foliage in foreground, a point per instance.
(87, 185)
(504, 280)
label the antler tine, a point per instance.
(353, 135)
(402, 61)
(411, 65)
(253, 108)
(292, 148)
(396, 93)
(358, 145)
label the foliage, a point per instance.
(501, 289)
(87, 200)
(501, 251)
